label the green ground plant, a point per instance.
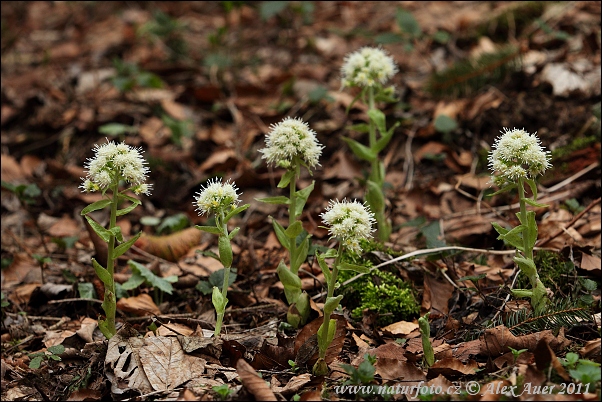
(516, 159)
(349, 222)
(111, 165)
(52, 353)
(292, 144)
(220, 199)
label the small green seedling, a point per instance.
(516, 353)
(142, 275)
(223, 391)
(294, 366)
(427, 347)
(52, 353)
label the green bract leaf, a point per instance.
(344, 266)
(102, 273)
(293, 230)
(375, 197)
(279, 230)
(533, 187)
(275, 200)
(301, 255)
(233, 233)
(361, 151)
(122, 248)
(286, 178)
(302, 196)
(384, 140)
(324, 266)
(128, 209)
(218, 300)
(225, 251)
(235, 211)
(362, 127)
(534, 203)
(95, 206)
(116, 231)
(378, 118)
(102, 232)
(331, 304)
(505, 189)
(209, 229)
(290, 281)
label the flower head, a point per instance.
(289, 139)
(367, 67)
(114, 162)
(216, 197)
(517, 154)
(349, 222)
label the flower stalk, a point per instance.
(370, 68)
(516, 159)
(349, 223)
(112, 164)
(220, 199)
(292, 144)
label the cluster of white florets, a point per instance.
(366, 67)
(517, 154)
(114, 162)
(216, 197)
(289, 139)
(349, 222)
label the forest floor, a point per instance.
(197, 85)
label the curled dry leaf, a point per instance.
(497, 341)
(306, 344)
(171, 247)
(140, 305)
(253, 383)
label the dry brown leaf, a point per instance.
(22, 267)
(170, 247)
(140, 305)
(394, 369)
(452, 367)
(221, 159)
(253, 383)
(149, 364)
(64, 227)
(437, 299)
(401, 328)
(294, 384)
(497, 341)
(11, 170)
(591, 350)
(590, 262)
(544, 356)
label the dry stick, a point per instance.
(422, 252)
(572, 178)
(571, 223)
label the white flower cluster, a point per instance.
(289, 139)
(349, 222)
(366, 67)
(114, 162)
(216, 197)
(517, 154)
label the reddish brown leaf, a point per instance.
(253, 383)
(171, 247)
(306, 344)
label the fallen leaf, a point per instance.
(170, 247)
(544, 356)
(394, 369)
(306, 343)
(498, 340)
(149, 364)
(294, 384)
(253, 382)
(401, 328)
(451, 367)
(140, 305)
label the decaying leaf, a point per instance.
(140, 305)
(497, 341)
(170, 247)
(149, 364)
(306, 344)
(253, 383)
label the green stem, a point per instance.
(220, 314)
(291, 219)
(375, 172)
(523, 217)
(111, 262)
(331, 286)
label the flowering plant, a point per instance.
(292, 144)
(370, 69)
(518, 158)
(349, 222)
(221, 200)
(112, 164)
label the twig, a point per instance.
(74, 299)
(571, 223)
(571, 179)
(422, 252)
